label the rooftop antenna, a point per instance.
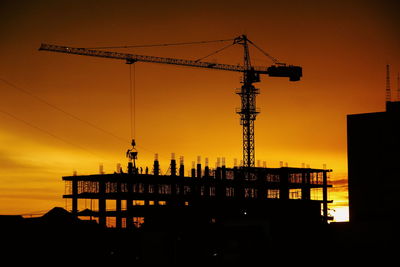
(398, 86)
(101, 168)
(388, 91)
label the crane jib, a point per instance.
(140, 58)
(293, 72)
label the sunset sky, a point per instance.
(62, 113)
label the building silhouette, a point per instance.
(374, 165)
(224, 215)
(208, 195)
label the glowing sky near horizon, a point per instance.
(343, 47)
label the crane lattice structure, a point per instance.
(247, 93)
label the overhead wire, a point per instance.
(40, 99)
(47, 132)
(63, 110)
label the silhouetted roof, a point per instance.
(59, 215)
(85, 212)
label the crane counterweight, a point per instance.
(293, 72)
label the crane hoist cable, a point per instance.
(132, 98)
(132, 153)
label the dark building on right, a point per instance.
(373, 142)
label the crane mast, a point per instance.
(247, 92)
(248, 110)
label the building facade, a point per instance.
(373, 141)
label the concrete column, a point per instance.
(156, 166)
(173, 165)
(146, 194)
(218, 173)
(173, 184)
(239, 183)
(102, 203)
(198, 167)
(261, 188)
(198, 172)
(102, 212)
(181, 167)
(74, 197)
(129, 207)
(284, 184)
(223, 172)
(206, 172)
(118, 219)
(325, 197)
(305, 190)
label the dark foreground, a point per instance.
(60, 238)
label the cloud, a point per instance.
(341, 204)
(340, 185)
(27, 195)
(8, 163)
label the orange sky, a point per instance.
(343, 47)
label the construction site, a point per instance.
(199, 133)
(210, 194)
(213, 215)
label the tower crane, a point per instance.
(247, 92)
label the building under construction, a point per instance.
(208, 195)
